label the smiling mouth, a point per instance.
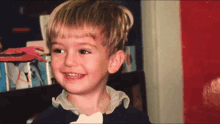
(74, 75)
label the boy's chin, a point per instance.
(78, 90)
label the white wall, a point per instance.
(162, 60)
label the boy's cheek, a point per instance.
(55, 58)
(55, 63)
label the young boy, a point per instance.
(86, 40)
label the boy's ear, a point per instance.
(116, 60)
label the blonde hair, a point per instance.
(114, 20)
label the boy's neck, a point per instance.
(89, 104)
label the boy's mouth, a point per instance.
(74, 75)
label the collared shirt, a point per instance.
(117, 97)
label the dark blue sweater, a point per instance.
(120, 115)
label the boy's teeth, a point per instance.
(69, 74)
(72, 75)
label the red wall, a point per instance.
(200, 29)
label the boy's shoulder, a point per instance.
(137, 116)
(55, 115)
(129, 115)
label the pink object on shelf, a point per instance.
(23, 54)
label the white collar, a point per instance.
(117, 97)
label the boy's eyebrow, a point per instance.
(54, 42)
(89, 45)
(83, 35)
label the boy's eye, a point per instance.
(58, 51)
(84, 52)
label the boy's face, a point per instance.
(80, 63)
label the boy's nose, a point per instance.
(70, 60)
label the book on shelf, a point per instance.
(22, 75)
(40, 73)
(3, 78)
(130, 59)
